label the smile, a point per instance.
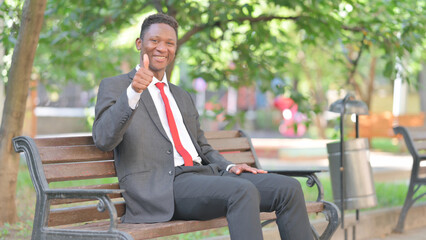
(159, 58)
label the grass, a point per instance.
(388, 194)
(391, 145)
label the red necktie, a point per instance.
(173, 129)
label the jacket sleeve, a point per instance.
(112, 114)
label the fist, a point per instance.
(143, 76)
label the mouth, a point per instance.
(159, 58)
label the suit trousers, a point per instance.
(205, 192)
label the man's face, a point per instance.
(159, 43)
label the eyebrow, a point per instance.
(157, 36)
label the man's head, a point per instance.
(158, 18)
(158, 39)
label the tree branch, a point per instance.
(200, 28)
(355, 65)
(354, 29)
(157, 5)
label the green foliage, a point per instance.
(229, 43)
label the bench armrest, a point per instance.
(95, 194)
(296, 173)
(311, 176)
(80, 193)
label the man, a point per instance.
(164, 162)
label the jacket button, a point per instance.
(170, 172)
(169, 151)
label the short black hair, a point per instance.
(158, 18)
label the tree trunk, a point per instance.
(1, 64)
(370, 87)
(14, 107)
(422, 88)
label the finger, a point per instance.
(235, 170)
(261, 171)
(144, 74)
(250, 169)
(145, 61)
(257, 170)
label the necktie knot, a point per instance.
(160, 85)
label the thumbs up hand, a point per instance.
(143, 76)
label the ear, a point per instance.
(138, 43)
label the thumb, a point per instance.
(145, 61)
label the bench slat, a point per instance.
(420, 146)
(81, 153)
(78, 171)
(231, 144)
(149, 231)
(240, 157)
(422, 172)
(103, 169)
(102, 186)
(417, 133)
(90, 213)
(64, 141)
(80, 214)
(222, 134)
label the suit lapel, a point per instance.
(152, 111)
(179, 101)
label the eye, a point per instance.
(170, 44)
(154, 40)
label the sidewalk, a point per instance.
(413, 234)
(312, 154)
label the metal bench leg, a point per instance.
(315, 233)
(407, 204)
(332, 215)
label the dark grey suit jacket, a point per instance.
(142, 151)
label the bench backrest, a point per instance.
(415, 140)
(77, 158)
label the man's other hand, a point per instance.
(143, 76)
(239, 168)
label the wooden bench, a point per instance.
(415, 140)
(82, 212)
(380, 125)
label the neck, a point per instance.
(159, 75)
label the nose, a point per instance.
(161, 46)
